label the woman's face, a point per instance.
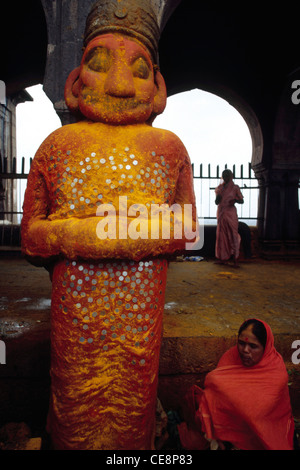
(250, 349)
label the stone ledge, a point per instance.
(200, 354)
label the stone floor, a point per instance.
(204, 306)
(202, 298)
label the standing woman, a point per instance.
(228, 238)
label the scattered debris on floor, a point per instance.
(17, 436)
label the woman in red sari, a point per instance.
(245, 401)
(228, 238)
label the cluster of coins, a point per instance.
(113, 301)
(79, 188)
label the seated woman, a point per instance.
(245, 403)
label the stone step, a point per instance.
(204, 306)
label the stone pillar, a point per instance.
(261, 179)
(278, 213)
(278, 174)
(291, 212)
(65, 26)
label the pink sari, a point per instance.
(227, 239)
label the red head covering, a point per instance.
(248, 406)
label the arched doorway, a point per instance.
(216, 136)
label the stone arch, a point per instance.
(244, 110)
(248, 115)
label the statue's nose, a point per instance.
(119, 81)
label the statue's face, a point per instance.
(116, 83)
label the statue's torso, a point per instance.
(97, 164)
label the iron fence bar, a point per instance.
(10, 212)
(209, 217)
(13, 176)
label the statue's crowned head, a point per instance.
(134, 18)
(118, 80)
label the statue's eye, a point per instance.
(140, 68)
(99, 59)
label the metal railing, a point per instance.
(207, 178)
(13, 182)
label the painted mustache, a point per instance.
(116, 103)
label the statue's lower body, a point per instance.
(106, 329)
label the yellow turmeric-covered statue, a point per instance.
(107, 291)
